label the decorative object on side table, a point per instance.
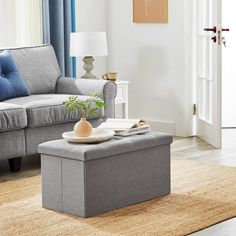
(88, 45)
(86, 108)
(110, 76)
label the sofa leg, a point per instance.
(15, 164)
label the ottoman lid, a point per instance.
(115, 146)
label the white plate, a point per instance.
(98, 135)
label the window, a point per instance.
(20, 23)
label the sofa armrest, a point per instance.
(106, 89)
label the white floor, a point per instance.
(226, 228)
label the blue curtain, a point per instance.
(58, 20)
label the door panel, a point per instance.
(229, 68)
(208, 70)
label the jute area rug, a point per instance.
(202, 195)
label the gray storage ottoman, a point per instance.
(89, 179)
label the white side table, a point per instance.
(122, 96)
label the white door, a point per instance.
(228, 67)
(208, 70)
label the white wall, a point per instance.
(92, 16)
(153, 58)
(229, 68)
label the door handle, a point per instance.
(221, 40)
(214, 29)
(225, 29)
(214, 39)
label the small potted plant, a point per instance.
(86, 108)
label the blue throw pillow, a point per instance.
(11, 84)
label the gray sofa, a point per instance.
(28, 121)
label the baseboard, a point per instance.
(163, 126)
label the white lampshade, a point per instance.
(84, 44)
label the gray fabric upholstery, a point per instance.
(104, 88)
(12, 117)
(42, 117)
(12, 144)
(52, 198)
(86, 187)
(35, 136)
(48, 109)
(38, 68)
(117, 145)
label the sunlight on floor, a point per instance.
(229, 138)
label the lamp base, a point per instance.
(88, 67)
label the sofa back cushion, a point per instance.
(38, 67)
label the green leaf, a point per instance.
(93, 112)
(74, 103)
(100, 104)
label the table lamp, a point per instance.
(88, 45)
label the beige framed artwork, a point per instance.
(150, 11)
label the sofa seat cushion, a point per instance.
(48, 109)
(12, 117)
